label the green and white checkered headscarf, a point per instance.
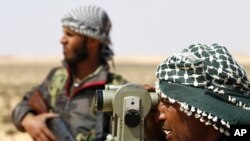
(208, 83)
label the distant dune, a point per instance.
(242, 59)
(33, 60)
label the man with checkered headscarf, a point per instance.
(203, 92)
(70, 89)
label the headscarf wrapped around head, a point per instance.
(91, 21)
(207, 83)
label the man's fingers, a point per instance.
(46, 130)
(50, 115)
(43, 137)
(148, 88)
(49, 134)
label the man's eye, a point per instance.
(69, 34)
(165, 101)
(162, 104)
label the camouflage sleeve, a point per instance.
(22, 108)
(116, 79)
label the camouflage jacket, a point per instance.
(73, 106)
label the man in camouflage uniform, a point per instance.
(70, 89)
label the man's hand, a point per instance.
(148, 87)
(36, 126)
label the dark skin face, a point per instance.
(180, 127)
(74, 46)
(80, 52)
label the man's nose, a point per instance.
(63, 40)
(160, 117)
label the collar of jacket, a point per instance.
(98, 79)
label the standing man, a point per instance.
(70, 89)
(203, 92)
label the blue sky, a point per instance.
(140, 27)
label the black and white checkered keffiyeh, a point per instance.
(210, 67)
(91, 21)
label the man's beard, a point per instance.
(80, 54)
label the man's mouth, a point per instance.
(167, 131)
(168, 134)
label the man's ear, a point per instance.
(93, 46)
(93, 43)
